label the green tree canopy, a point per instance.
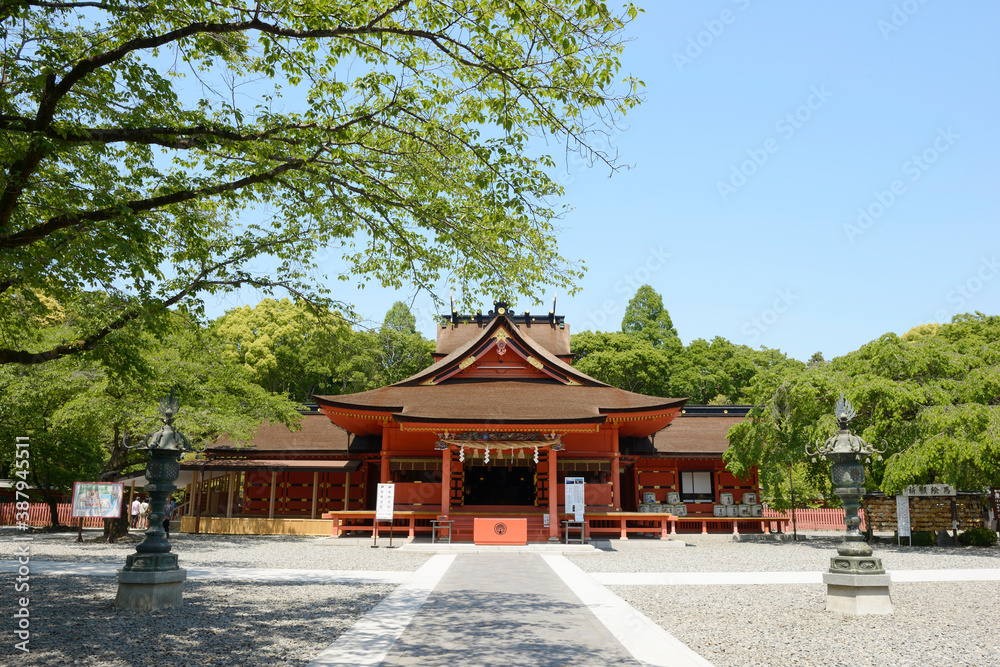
(930, 396)
(392, 353)
(646, 318)
(648, 357)
(286, 347)
(722, 372)
(164, 151)
(76, 413)
(624, 361)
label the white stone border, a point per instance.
(766, 578)
(648, 643)
(370, 639)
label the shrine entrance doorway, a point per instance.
(498, 484)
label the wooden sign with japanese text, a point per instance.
(385, 502)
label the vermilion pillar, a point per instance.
(388, 445)
(616, 480)
(553, 495)
(446, 481)
(616, 486)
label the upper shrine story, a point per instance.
(549, 331)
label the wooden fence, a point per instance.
(40, 515)
(815, 519)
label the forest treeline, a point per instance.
(929, 396)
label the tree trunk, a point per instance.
(49, 499)
(115, 528)
(116, 457)
(53, 508)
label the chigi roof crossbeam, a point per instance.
(502, 308)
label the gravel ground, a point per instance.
(270, 551)
(233, 623)
(748, 626)
(74, 622)
(718, 553)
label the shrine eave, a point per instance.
(403, 418)
(366, 408)
(668, 404)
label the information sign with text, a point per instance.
(575, 497)
(384, 501)
(903, 516)
(100, 499)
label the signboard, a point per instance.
(100, 499)
(500, 531)
(574, 497)
(384, 502)
(929, 490)
(903, 516)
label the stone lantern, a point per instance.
(151, 578)
(856, 582)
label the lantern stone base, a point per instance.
(145, 591)
(857, 593)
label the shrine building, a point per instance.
(491, 430)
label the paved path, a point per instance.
(505, 609)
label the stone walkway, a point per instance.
(505, 609)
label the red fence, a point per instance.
(815, 519)
(39, 515)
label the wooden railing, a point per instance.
(815, 519)
(408, 523)
(622, 523)
(40, 515)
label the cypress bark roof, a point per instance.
(473, 384)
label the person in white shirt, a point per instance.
(135, 512)
(144, 513)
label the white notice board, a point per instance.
(903, 516)
(574, 497)
(384, 501)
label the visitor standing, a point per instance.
(168, 514)
(135, 512)
(144, 513)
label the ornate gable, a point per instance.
(501, 356)
(502, 351)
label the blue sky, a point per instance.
(805, 176)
